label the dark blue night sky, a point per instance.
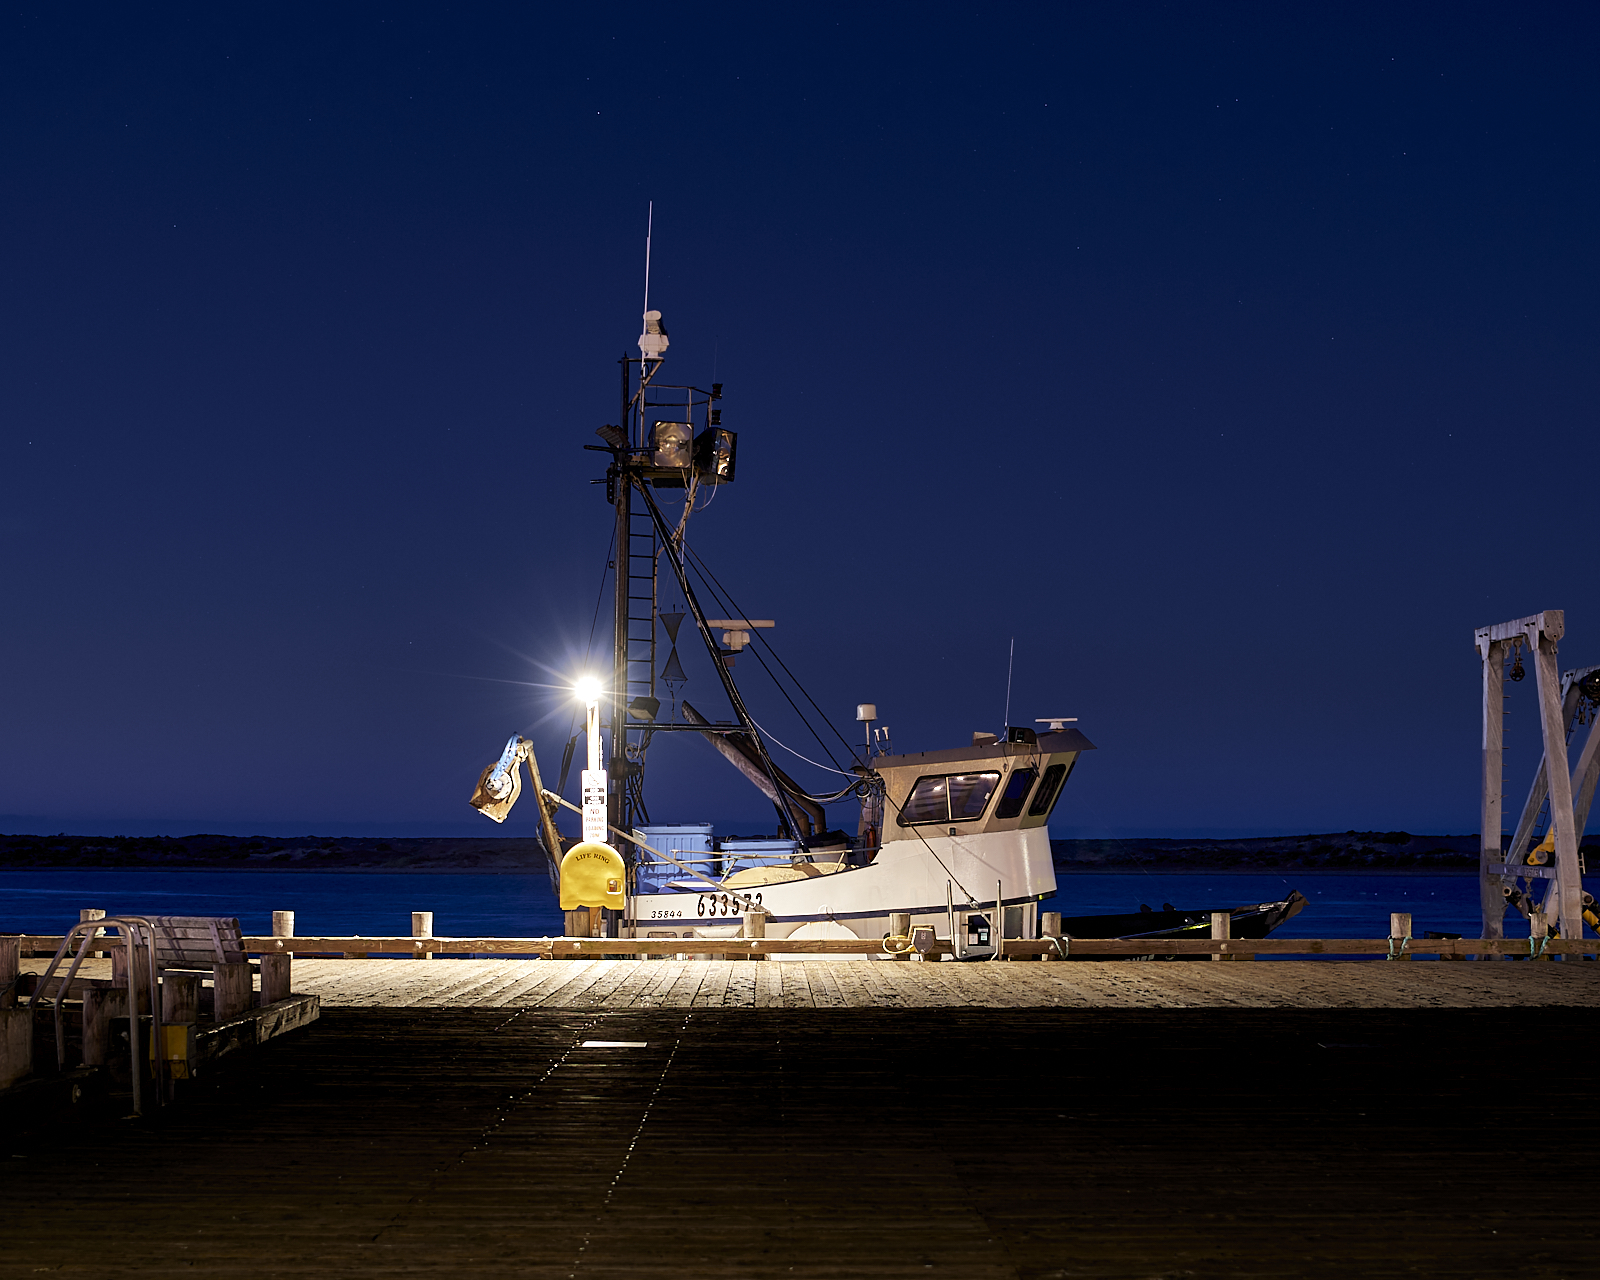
(1236, 360)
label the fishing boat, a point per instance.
(954, 841)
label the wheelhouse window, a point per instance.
(1017, 787)
(1045, 798)
(950, 797)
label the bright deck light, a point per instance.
(587, 688)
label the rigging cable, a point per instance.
(798, 756)
(727, 603)
(717, 588)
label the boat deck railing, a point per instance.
(718, 865)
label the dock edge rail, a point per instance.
(1014, 948)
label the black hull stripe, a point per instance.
(847, 915)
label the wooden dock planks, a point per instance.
(872, 1141)
(700, 984)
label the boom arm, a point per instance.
(501, 783)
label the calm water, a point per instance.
(342, 904)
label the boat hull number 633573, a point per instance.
(722, 904)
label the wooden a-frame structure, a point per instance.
(1568, 792)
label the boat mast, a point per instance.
(622, 568)
(639, 460)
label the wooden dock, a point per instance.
(823, 1143)
(727, 984)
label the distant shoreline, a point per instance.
(1345, 853)
(1064, 872)
(1341, 853)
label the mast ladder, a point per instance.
(641, 616)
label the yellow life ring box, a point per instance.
(593, 875)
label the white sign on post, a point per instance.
(594, 805)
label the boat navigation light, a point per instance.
(1056, 723)
(587, 688)
(653, 342)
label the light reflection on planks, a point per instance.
(690, 984)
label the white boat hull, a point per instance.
(919, 876)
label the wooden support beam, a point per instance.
(1526, 870)
(580, 948)
(1552, 622)
(1585, 773)
(588, 947)
(1540, 790)
(1569, 884)
(1491, 809)
(31, 984)
(422, 927)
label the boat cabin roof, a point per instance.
(1048, 744)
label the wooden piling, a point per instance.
(422, 927)
(102, 1007)
(755, 926)
(1049, 927)
(283, 924)
(577, 923)
(1221, 927)
(10, 966)
(231, 990)
(180, 997)
(900, 933)
(1399, 934)
(274, 979)
(1538, 930)
(86, 914)
(16, 1046)
(141, 973)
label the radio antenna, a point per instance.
(649, 225)
(1010, 661)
